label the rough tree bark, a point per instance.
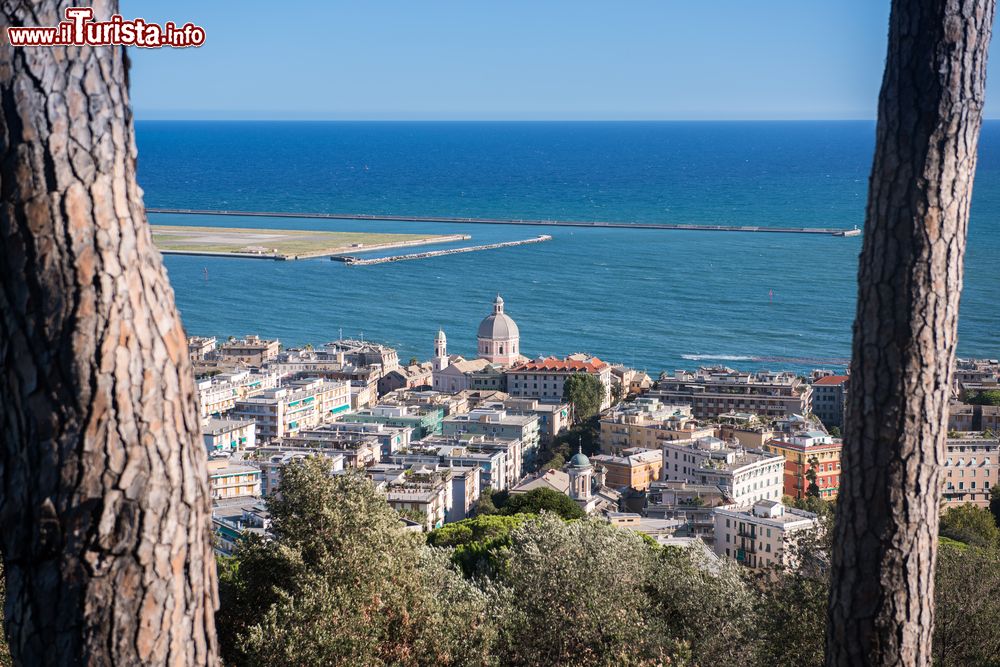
(104, 506)
(909, 283)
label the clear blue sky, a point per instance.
(517, 59)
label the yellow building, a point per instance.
(645, 423)
(635, 468)
(229, 480)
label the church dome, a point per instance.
(579, 460)
(498, 326)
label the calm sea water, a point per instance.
(655, 299)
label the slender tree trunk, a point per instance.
(104, 509)
(909, 282)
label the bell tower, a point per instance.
(440, 351)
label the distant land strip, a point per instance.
(828, 231)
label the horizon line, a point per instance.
(139, 118)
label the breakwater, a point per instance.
(358, 261)
(827, 231)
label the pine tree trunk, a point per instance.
(909, 283)
(104, 507)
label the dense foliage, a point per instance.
(985, 397)
(586, 393)
(343, 583)
(971, 525)
(537, 501)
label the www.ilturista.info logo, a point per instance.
(80, 29)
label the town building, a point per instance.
(232, 518)
(272, 465)
(450, 404)
(714, 391)
(232, 479)
(420, 493)
(691, 504)
(971, 469)
(385, 438)
(829, 399)
(809, 453)
(469, 375)
(218, 394)
(745, 428)
(646, 422)
(414, 376)
(974, 375)
(744, 475)
(978, 418)
(634, 468)
(544, 378)
(251, 350)
(201, 347)
(762, 535)
(421, 420)
(284, 411)
(553, 418)
(500, 460)
(362, 354)
(629, 382)
(500, 425)
(226, 435)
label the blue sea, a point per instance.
(652, 299)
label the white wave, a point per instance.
(718, 357)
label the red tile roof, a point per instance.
(594, 365)
(832, 379)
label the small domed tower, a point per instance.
(580, 476)
(440, 351)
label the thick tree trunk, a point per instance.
(909, 282)
(104, 507)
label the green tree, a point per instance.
(985, 397)
(971, 525)
(539, 500)
(995, 503)
(574, 594)
(810, 503)
(967, 595)
(485, 504)
(812, 490)
(479, 545)
(706, 606)
(342, 583)
(557, 461)
(586, 393)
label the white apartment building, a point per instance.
(283, 411)
(745, 475)
(544, 378)
(761, 535)
(218, 395)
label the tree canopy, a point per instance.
(586, 393)
(970, 525)
(985, 397)
(342, 583)
(542, 500)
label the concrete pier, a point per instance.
(828, 231)
(358, 261)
